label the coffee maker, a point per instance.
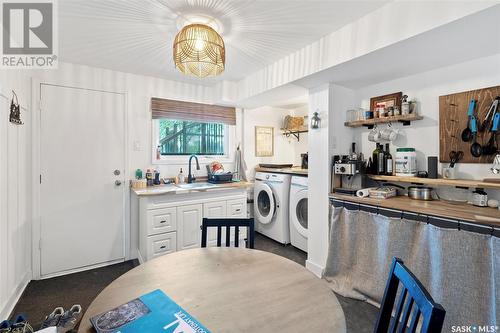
(348, 173)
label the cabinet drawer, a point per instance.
(162, 220)
(237, 208)
(159, 245)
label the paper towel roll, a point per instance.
(363, 193)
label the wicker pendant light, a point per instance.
(199, 50)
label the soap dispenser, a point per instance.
(180, 177)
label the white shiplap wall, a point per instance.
(15, 205)
(16, 154)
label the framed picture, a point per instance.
(386, 100)
(264, 141)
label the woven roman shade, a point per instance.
(171, 109)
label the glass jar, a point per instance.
(406, 162)
(397, 111)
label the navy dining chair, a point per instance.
(414, 301)
(228, 223)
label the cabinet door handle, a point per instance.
(162, 247)
(164, 221)
(238, 210)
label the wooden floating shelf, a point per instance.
(469, 183)
(372, 122)
(480, 215)
(295, 132)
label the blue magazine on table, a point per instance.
(150, 313)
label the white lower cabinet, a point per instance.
(162, 220)
(214, 210)
(189, 222)
(169, 223)
(159, 245)
(236, 208)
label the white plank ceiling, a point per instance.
(136, 35)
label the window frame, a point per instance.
(228, 157)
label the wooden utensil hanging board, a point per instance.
(453, 120)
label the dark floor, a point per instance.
(360, 316)
(41, 297)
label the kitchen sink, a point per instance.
(196, 186)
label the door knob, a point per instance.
(117, 172)
(118, 182)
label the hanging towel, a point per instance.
(240, 166)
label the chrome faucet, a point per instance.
(191, 177)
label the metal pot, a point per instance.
(420, 193)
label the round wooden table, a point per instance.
(231, 290)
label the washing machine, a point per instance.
(298, 212)
(271, 195)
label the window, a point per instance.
(183, 128)
(183, 137)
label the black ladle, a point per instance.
(475, 149)
(491, 147)
(467, 133)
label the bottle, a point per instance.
(380, 161)
(156, 180)
(149, 178)
(158, 153)
(180, 177)
(354, 156)
(375, 160)
(369, 166)
(388, 161)
(405, 106)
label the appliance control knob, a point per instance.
(342, 169)
(267, 177)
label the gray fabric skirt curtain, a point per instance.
(460, 269)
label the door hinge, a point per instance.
(40, 179)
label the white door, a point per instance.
(82, 161)
(188, 226)
(215, 209)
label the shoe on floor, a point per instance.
(21, 325)
(53, 318)
(70, 319)
(5, 326)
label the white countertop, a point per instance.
(194, 187)
(291, 171)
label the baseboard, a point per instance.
(12, 302)
(133, 254)
(82, 269)
(139, 257)
(315, 268)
